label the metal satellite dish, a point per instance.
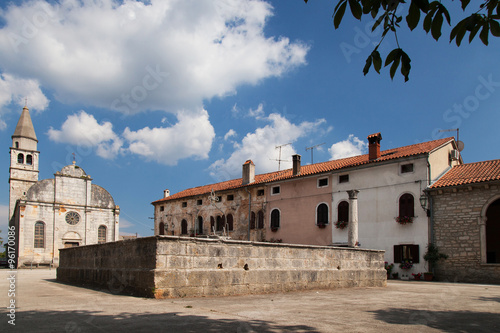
(460, 145)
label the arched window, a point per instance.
(252, 220)
(101, 234)
(260, 219)
(39, 235)
(229, 222)
(200, 226)
(493, 233)
(275, 219)
(29, 159)
(162, 228)
(212, 224)
(406, 205)
(184, 227)
(343, 211)
(322, 214)
(20, 158)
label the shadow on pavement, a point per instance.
(446, 321)
(92, 321)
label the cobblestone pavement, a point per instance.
(44, 305)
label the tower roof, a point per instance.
(24, 128)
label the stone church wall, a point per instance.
(457, 233)
(167, 266)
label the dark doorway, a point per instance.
(493, 233)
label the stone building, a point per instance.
(466, 222)
(54, 213)
(304, 204)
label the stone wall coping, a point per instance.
(234, 242)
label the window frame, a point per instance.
(406, 252)
(405, 209)
(39, 237)
(323, 179)
(403, 166)
(184, 227)
(260, 219)
(99, 230)
(340, 213)
(343, 179)
(272, 224)
(318, 222)
(20, 158)
(276, 190)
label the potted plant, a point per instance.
(404, 219)
(388, 268)
(406, 264)
(340, 224)
(321, 225)
(395, 275)
(432, 256)
(416, 276)
(274, 229)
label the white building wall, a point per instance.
(378, 204)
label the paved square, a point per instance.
(44, 305)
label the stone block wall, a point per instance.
(167, 266)
(457, 233)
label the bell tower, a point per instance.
(23, 160)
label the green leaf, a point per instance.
(391, 56)
(473, 32)
(394, 67)
(495, 28)
(437, 23)
(339, 14)
(427, 22)
(458, 32)
(483, 35)
(423, 5)
(405, 65)
(378, 21)
(413, 16)
(367, 65)
(465, 3)
(355, 9)
(444, 11)
(377, 61)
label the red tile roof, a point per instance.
(471, 173)
(312, 169)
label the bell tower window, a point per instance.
(29, 159)
(20, 158)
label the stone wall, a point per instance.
(168, 266)
(457, 233)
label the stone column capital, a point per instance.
(353, 194)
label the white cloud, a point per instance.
(133, 56)
(229, 134)
(82, 129)
(257, 113)
(20, 91)
(260, 147)
(352, 146)
(191, 136)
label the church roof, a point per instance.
(315, 169)
(24, 128)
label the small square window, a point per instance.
(275, 190)
(407, 168)
(344, 179)
(322, 182)
(219, 198)
(230, 197)
(199, 202)
(162, 208)
(260, 193)
(184, 204)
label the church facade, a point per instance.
(51, 214)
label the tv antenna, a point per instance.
(460, 144)
(279, 158)
(312, 149)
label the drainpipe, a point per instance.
(249, 210)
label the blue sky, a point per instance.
(176, 94)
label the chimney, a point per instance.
(166, 193)
(296, 164)
(248, 172)
(374, 146)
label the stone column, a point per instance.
(353, 218)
